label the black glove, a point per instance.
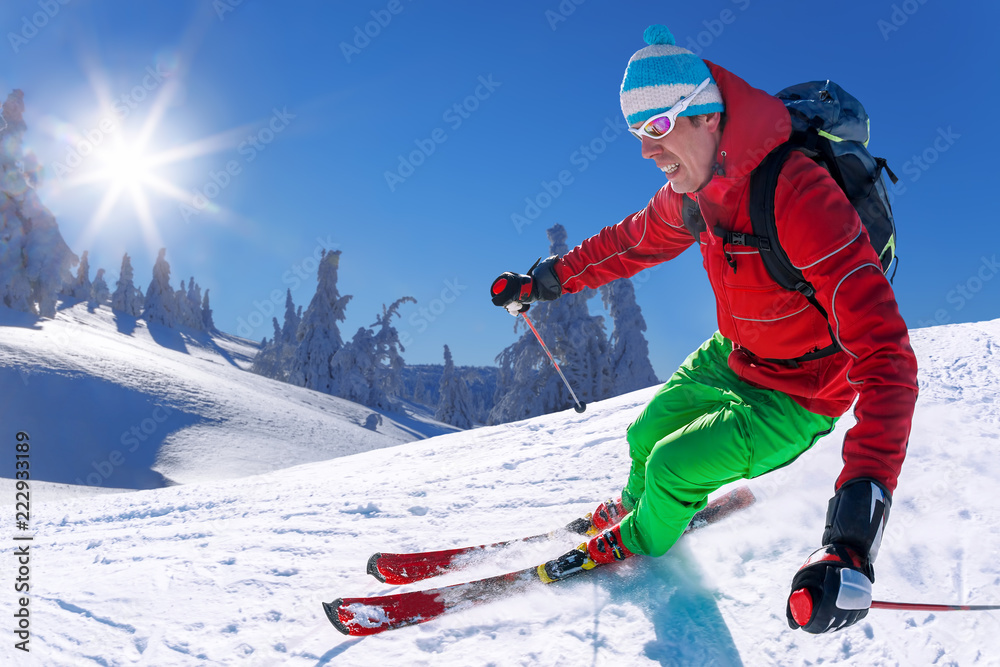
(515, 291)
(833, 589)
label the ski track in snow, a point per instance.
(233, 571)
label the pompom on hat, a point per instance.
(660, 75)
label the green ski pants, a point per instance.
(703, 429)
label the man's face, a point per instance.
(686, 156)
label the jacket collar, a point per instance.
(756, 123)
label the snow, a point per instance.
(177, 405)
(233, 571)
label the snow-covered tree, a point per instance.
(81, 287)
(389, 361)
(268, 361)
(455, 406)
(35, 261)
(181, 307)
(292, 320)
(192, 305)
(369, 368)
(353, 368)
(630, 366)
(124, 298)
(527, 383)
(207, 323)
(160, 306)
(318, 335)
(99, 294)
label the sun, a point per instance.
(125, 166)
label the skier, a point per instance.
(768, 384)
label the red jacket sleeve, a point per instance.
(647, 238)
(837, 258)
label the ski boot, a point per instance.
(608, 514)
(600, 550)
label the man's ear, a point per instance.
(713, 121)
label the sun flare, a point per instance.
(127, 162)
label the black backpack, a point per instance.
(831, 127)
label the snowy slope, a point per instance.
(177, 406)
(232, 572)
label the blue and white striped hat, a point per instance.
(659, 75)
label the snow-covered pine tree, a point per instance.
(630, 366)
(455, 407)
(123, 299)
(318, 335)
(527, 383)
(353, 368)
(99, 294)
(35, 261)
(192, 306)
(522, 376)
(182, 307)
(267, 360)
(138, 300)
(80, 289)
(292, 320)
(389, 362)
(160, 306)
(207, 323)
(276, 357)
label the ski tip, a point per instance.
(373, 567)
(331, 613)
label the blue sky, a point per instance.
(285, 119)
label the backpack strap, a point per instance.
(691, 216)
(763, 183)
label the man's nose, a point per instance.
(649, 147)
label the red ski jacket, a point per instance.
(823, 236)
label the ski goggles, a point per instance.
(662, 124)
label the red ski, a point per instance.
(412, 567)
(372, 615)
(408, 568)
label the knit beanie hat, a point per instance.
(660, 75)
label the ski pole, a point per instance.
(579, 407)
(912, 606)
